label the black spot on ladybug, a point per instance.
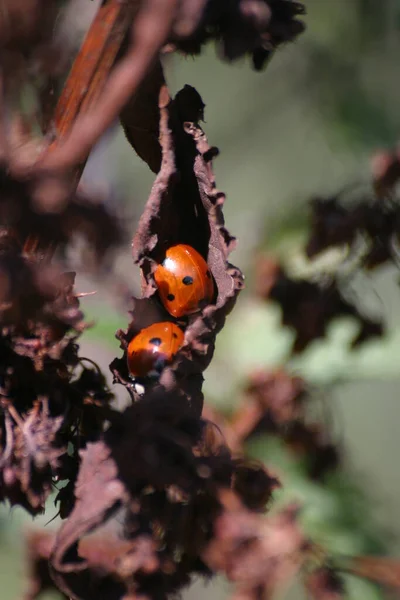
(174, 335)
(187, 280)
(157, 368)
(208, 274)
(155, 341)
(170, 297)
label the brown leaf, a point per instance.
(184, 207)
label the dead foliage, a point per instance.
(158, 493)
(309, 307)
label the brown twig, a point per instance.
(93, 64)
(379, 569)
(3, 137)
(149, 32)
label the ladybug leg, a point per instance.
(139, 389)
(183, 321)
(203, 303)
(137, 385)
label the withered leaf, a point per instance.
(184, 207)
(309, 307)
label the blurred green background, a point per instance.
(305, 126)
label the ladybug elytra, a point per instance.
(153, 345)
(184, 281)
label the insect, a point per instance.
(153, 347)
(184, 281)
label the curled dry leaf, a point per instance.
(184, 207)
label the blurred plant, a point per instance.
(339, 65)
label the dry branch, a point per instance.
(149, 32)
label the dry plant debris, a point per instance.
(158, 493)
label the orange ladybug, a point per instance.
(184, 281)
(153, 345)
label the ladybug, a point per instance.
(153, 347)
(184, 281)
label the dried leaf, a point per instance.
(309, 307)
(184, 207)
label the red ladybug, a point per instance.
(155, 344)
(184, 281)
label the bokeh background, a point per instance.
(306, 126)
